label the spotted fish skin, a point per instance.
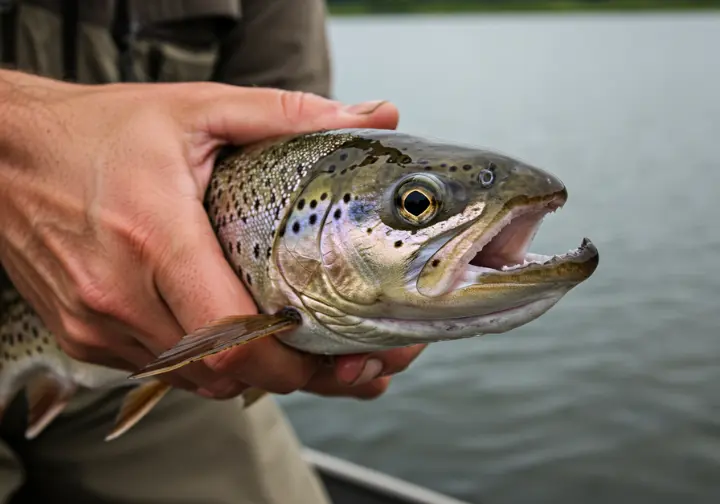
(31, 360)
(312, 223)
(358, 240)
(249, 197)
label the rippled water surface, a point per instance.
(613, 395)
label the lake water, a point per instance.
(614, 395)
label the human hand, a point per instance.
(102, 227)
(363, 376)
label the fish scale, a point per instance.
(251, 195)
(317, 228)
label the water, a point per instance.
(613, 395)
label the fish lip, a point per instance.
(572, 267)
(536, 208)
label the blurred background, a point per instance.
(612, 396)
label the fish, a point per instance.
(352, 240)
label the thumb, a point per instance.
(245, 115)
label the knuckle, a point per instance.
(77, 340)
(293, 105)
(94, 297)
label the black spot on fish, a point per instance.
(26, 326)
(453, 168)
(238, 246)
(343, 172)
(435, 263)
(343, 156)
(443, 165)
(313, 204)
(428, 168)
(282, 231)
(249, 279)
(244, 219)
(323, 196)
(313, 219)
(467, 167)
(269, 252)
(332, 168)
(301, 204)
(45, 340)
(346, 198)
(369, 230)
(257, 204)
(296, 227)
(39, 349)
(398, 244)
(272, 198)
(337, 214)
(299, 169)
(256, 251)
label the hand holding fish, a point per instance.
(132, 238)
(103, 230)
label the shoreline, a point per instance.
(455, 7)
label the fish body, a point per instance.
(349, 241)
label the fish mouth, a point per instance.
(504, 256)
(500, 254)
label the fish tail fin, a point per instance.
(46, 398)
(137, 403)
(218, 336)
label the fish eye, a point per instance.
(486, 176)
(417, 201)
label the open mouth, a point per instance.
(505, 249)
(509, 242)
(499, 254)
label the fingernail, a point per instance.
(365, 108)
(371, 370)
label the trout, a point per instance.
(348, 241)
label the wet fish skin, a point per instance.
(321, 233)
(317, 227)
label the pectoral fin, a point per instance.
(46, 398)
(218, 336)
(137, 403)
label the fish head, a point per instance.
(420, 241)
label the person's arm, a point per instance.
(102, 226)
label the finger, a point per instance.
(361, 368)
(246, 115)
(325, 384)
(199, 286)
(82, 340)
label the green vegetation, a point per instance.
(418, 6)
